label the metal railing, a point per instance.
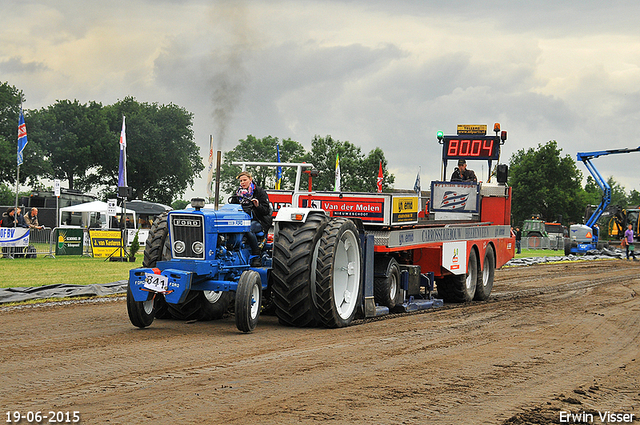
(544, 242)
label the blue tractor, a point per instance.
(193, 261)
(197, 261)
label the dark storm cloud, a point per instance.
(377, 73)
(15, 65)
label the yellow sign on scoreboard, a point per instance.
(472, 129)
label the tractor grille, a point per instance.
(187, 236)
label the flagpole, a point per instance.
(15, 214)
(22, 136)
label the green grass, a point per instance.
(71, 270)
(76, 270)
(527, 253)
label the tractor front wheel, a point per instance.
(157, 249)
(141, 313)
(248, 301)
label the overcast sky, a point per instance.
(385, 74)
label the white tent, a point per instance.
(91, 215)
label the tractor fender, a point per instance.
(295, 215)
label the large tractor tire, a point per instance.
(199, 305)
(156, 249)
(295, 250)
(339, 273)
(386, 284)
(248, 301)
(215, 304)
(486, 275)
(462, 287)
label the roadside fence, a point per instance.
(74, 241)
(544, 242)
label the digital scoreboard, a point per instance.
(472, 142)
(465, 147)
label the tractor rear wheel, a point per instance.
(156, 249)
(339, 270)
(295, 250)
(248, 301)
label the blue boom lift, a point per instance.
(581, 236)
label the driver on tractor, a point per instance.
(255, 202)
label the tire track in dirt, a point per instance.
(485, 362)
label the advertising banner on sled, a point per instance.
(455, 197)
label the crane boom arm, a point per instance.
(586, 158)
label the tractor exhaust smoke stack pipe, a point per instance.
(217, 194)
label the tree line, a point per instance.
(548, 184)
(358, 172)
(78, 143)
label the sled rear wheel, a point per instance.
(387, 287)
(486, 275)
(462, 287)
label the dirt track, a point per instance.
(552, 339)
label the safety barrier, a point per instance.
(67, 241)
(38, 243)
(544, 242)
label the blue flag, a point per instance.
(278, 170)
(416, 186)
(22, 136)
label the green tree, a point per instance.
(593, 193)
(634, 198)
(618, 194)
(10, 101)
(546, 183)
(179, 204)
(7, 196)
(162, 157)
(69, 134)
(324, 151)
(357, 172)
(253, 149)
(369, 168)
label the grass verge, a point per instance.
(69, 270)
(527, 253)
